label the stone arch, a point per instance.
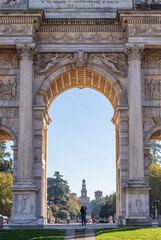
(91, 77)
(7, 134)
(153, 134)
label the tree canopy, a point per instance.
(5, 159)
(155, 152)
(6, 182)
(58, 189)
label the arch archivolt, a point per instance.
(153, 134)
(88, 76)
(7, 134)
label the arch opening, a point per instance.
(81, 78)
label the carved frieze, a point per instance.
(152, 112)
(117, 62)
(12, 3)
(15, 29)
(144, 29)
(45, 62)
(7, 87)
(8, 60)
(152, 87)
(81, 37)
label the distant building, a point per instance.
(98, 194)
(84, 199)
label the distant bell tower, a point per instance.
(84, 199)
(83, 191)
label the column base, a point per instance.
(138, 221)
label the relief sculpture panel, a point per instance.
(7, 87)
(152, 87)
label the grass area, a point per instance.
(34, 234)
(129, 233)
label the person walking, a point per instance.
(83, 214)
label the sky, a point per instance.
(81, 141)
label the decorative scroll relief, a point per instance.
(117, 62)
(152, 87)
(81, 37)
(7, 87)
(8, 60)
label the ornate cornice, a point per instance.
(26, 51)
(134, 51)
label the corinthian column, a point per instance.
(136, 159)
(25, 151)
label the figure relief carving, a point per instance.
(7, 87)
(152, 60)
(11, 2)
(152, 88)
(116, 62)
(26, 51)
(8, 60)
(80, 59)
(15, 29)
(45, 62)
(8, 112)
(139, 205)
(134, 51)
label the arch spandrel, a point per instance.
(80, 78)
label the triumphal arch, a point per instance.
(48, 47)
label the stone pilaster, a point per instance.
(24, 190)
(137, 191)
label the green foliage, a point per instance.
(109, 209)
(155, 152)
(98, 204)
(155, 185)
(62, 214)
(58, 189)
(5, 159)
(129, 234)
(34, 234)
(6, 182)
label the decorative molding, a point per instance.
(134, 51)
(144, 30)
(26, 51)
(152, 87)
(7, 87)
(117, 62)
(81, 37)
(15, 29)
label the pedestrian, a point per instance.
(83, 214)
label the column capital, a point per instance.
(134, 51)
(26, 51)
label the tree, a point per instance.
(58, 189)
(109, 209)
(155, 152)
(6, 182)
(155, 185)
(98, 204)
(5, 159)
(62, 214)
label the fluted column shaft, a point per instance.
(136, 157)
(25, 145)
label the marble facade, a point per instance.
(114, 49)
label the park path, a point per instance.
(80, 234)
